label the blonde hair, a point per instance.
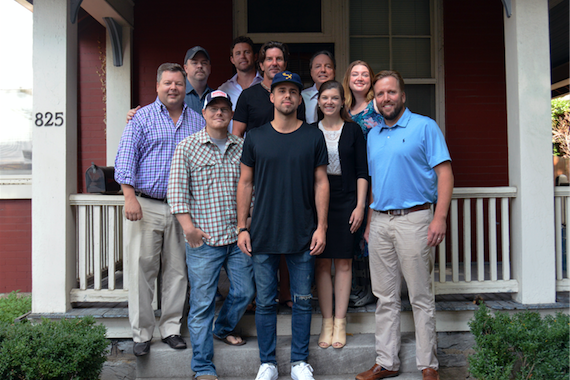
(349, 96)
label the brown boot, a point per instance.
(376, 372)
(430, 374)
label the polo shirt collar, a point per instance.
(402, 121)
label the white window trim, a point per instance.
(15, 187)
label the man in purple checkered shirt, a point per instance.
(202, 194)
(154, 238)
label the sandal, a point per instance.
(226, 341)
(326, 337)
(339, 337)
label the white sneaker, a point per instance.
(267, 371)
(302, 371)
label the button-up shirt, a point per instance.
(310, 97)
(146, 147)
(203, 183)
(233, 88)
(193, 100)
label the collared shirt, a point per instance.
(193, 100)
(203, 183)
(310, 97)
(146, 147)
(401, 159)
(233, 88)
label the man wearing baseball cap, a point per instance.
(202, 195)
(198, 68)
(286, 161)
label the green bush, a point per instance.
(558, 107)
(64, 349)
(13, 306)
(521, 346)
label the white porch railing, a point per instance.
(99, 226)
(561, 213)
(478, 261)
(478, 268)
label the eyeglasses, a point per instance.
(216, 109)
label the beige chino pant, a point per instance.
(398, 246)
(154, 240)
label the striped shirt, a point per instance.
(203, 183)
(147, 145)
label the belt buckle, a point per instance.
(398, 212)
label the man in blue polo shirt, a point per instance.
(410, 168)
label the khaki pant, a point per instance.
(398, 246)
(154, 240)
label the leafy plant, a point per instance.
(13, 306)
(65, 349)
(560, 114)
(521, 346)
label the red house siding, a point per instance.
(475, 92)
(91, 138)
(15, 245)
(164, 33)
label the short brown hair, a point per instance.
(169, 67)
(349, 99)
(389, 73)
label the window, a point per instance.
(398, 35)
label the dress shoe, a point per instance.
(376, 372)
(175, 341)
(141, 348)
(430, 374)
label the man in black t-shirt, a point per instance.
(254, 108)
(286, 161)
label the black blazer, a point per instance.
(352, 152)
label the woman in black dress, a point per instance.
(348, 177)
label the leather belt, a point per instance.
(143, 195)
(406, 211)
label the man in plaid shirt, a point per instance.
(153, 236)
(202, 194)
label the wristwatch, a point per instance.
(240, 230)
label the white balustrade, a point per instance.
(479, 261)
(561, 213)
(474, 264)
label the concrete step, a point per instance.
(403, 376)
(243, 362)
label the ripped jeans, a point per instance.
(301, 270)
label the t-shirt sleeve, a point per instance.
(242, 112)
(321, 153)
(247, 155)
(436, 148)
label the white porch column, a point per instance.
(530, 150)
(118, 94)
(54, 156)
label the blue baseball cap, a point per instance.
(217, 94)
(191, 53)
(287, 76)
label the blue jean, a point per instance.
(204, 265)
(301, 271)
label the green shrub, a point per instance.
(521, 346)
(558, 107)
(13, 306)
(64, 349)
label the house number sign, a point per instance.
(49, 119)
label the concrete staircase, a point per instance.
(243, 362)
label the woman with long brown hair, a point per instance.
(348, 178)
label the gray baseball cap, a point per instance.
(191, 53)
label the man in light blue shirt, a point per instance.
(410, 168)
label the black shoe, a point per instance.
(175, 341)
(142, 348)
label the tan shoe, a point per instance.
(430, 374)
(326, 337)
(375, 373)
(339, 335)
